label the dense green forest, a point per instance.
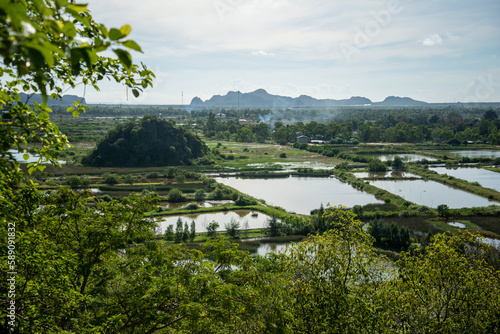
(147, 142)
(412, 126)
(72, 262)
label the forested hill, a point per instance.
(65, 100)
(146, 142)
(261, 98)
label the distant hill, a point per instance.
(261, 98)
(146, 142)
(399, 102)
(66, 99)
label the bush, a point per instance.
(129, 179)
(233, 228)
(212, 229)
(243, 200)
(274, 226)
(175, 195)
(110, 179)
(168, 235)
(192, 206)
(443, 210)
(170, 172)
(199, 195)
(283, 155)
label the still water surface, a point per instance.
(247, 219)
(405, 157)
(301, 194)
(484, 177)
(32, 157)
(475, 154)
(432, 194)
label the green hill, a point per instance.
(147, 142)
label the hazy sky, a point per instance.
(430, 50)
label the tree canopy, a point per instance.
(71, 263)
(147, 142)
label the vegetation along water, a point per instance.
(160, 219)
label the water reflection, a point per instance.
(18, 156)
(485, 178)
(475, 154)
(266, 248)
(247, 219)
(385, 175)
(301, 194)
(432, 194)
(405, 157)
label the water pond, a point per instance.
(475, 154)
(485, 178)
(406, 157)
(205, 204)
(301, 194)
(18, 156)
(432, 194)
(268, 247)
(247, 219)
(382, 175)
(293, 166)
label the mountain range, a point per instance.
(65, 100)
(261, 98)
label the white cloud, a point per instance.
(262, 53)
(292, 46)
(432, 40)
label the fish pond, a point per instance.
(247, 219)
(432, 194)
(474, 154)
(404, 156)
(485, 178)
(301, 194)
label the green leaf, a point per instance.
(132, 45)
(124, 57)
(135, 92)
(77, 7)
(76, 113)
(115, 34)
(125, 30)
(26, 156)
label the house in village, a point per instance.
(302, 139)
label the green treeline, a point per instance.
(413, 127)
(147, 142)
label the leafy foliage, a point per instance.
(147, 142)
(47, 44)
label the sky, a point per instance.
(429, 50)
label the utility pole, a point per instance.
(182, 99)
(238, 100)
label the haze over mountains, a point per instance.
(261, 98)
(65, 100)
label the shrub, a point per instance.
(243, 200)
(283, 155)
(199, 195)
(168, 235)
(129, 179)
(212, 229)
(175, 195)
(110, 179)
(233, 228)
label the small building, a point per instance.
(221, 115)
(302, 139)
(242, 121)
